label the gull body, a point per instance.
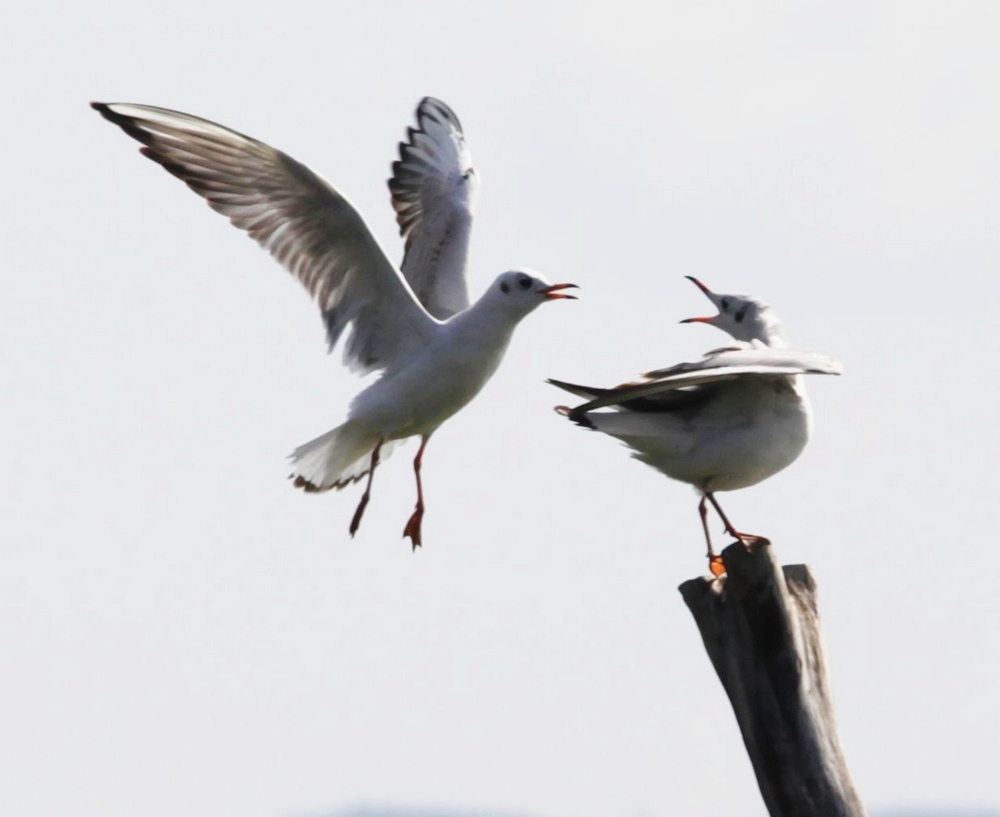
(726, 422)
(754, 427)
(415, 325)
(425, 387)
(743, 432)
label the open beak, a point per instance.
(552, 292)
(708, 293)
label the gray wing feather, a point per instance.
(718, 367)
(434, 188)
(307, 225)
(807, 362)
(677, 399)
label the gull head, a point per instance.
(520, 291)
(744, 317)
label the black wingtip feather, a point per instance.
(432, 107)
(126, 123)
(104, 109)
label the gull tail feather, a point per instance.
(336, 459)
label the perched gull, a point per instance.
(728, 421)
(435, 352)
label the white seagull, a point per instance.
(728, 421)
(434, 349)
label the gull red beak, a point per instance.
(707, 292)
(699, 284)
(552, 292)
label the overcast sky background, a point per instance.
(182, 633)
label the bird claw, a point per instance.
(751, 541)
(716, 565)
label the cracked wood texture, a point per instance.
(761, 629)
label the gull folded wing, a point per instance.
(717, 368)
(808, 362)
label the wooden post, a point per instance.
(760, 626)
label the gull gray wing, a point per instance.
(308, 226)
(675, 400)
(719, 367)
(434, 188)
(752, 355)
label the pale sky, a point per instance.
(183, 633)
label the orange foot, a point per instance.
(716, 566)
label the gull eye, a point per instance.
(725, 304)
(504, 287)
(524, 282)
(740, 315)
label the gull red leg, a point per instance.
(412, 528)
(703, 513)
(356, 520)
(746, 539)
(714, 562)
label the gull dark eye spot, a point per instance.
(524, 282)
(740, 315)
(504, 287)
(725, 304)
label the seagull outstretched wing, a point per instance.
(313, 230)
(434, 188)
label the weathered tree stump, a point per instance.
(761, 629)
